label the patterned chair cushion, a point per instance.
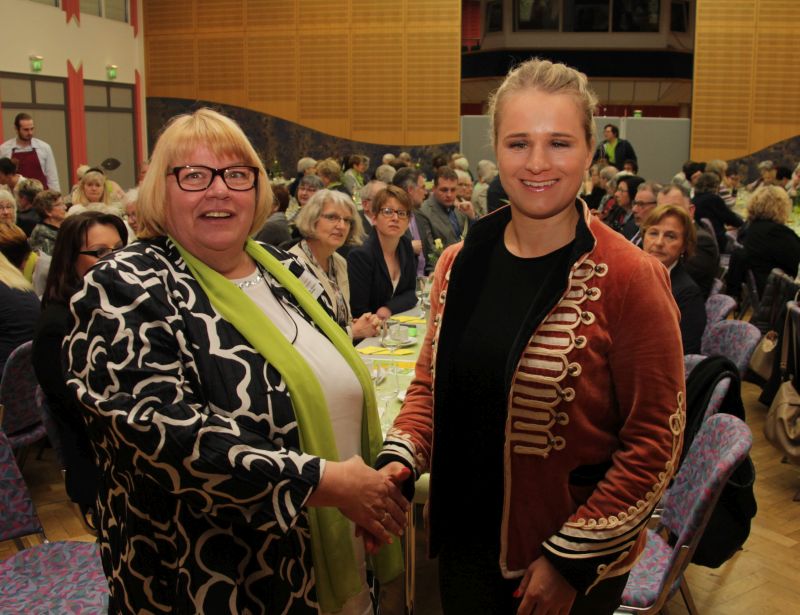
(733, 339)
(717, 396)
(718, 307)
(17, 514)
(56, 577)
(644, 583)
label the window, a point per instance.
(636, 15)
(494, 16)
(536, 14)
(679, 16)
(586, 15)
(110, 9)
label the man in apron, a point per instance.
(34, 157)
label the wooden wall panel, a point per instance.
(367, 70)
(744, 98)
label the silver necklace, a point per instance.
(251, 282)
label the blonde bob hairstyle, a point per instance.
(182, 135)
(95, 177)
(308, 216)
(551, 78)
(770, 203)
(689, 232)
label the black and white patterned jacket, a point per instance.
(203, 486)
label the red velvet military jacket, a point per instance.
(599, 384)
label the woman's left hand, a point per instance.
(544, 591)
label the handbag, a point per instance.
(782, 426)
(762, 361)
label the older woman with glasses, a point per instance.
(8, 207)
(383, 271)
(230, 415)
(327, 222)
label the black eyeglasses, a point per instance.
(101, 251)
(643, 203)
(197, 178)
(389, 212)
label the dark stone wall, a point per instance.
(783, 153)
(278, 139)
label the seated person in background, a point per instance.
(51, 208)
(383, 271)
(419, 232)
(767, 173)
(27, 216)
(593, 192)
(129, 202)
(276, 229)
(620, 218)
(330, 172)
(355, 173)
(80, 234)
(703, 265)
(15, 247)
(768, 242)
(720, 167)
(643, 204)
(368, 193)
(783, 176)
(8, 207)
(8, 174)
(631, 166)
(708, 204)
(327, 222)
(448, 220)
(305, 166)
(487, 171)
(91, 189)
(669, 236)
(385, 173)
(306, 187)
(19, 309)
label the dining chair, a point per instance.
(734, 339)
(22, 420)
(722, 443)
(719, 307)
(690, 361)
(53, 577)
(717, 286)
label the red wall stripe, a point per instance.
(72, 8)
(137, 120)
(76, 115)
(133, 6)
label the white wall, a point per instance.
(36, 29)
(31, 28)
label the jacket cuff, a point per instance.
(408, 487)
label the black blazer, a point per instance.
(692, 306)
(370, 284)
(711, 206)
(82, 474)
(769, 245)
(703, 266)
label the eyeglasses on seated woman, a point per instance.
(329, 221)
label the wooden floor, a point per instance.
(764, 578)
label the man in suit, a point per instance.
(448, 220)
(703, 267)
(412, 181)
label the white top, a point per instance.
(43, 152)
(343, 396)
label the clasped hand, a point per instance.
(369, 498)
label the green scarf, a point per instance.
(335, 569)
